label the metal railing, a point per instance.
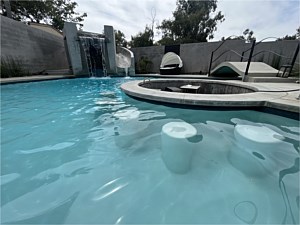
(251, 55)
(249, 60)
(212, 53)
(255, 45)
(289, 66)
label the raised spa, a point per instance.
(197, 86)
(214, 93)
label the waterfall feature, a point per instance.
(94, 49)
(96, 54)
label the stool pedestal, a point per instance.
(177, 151)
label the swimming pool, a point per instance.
(81, 151)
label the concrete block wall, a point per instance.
(38, 50)
(196, 56)
(153, 53)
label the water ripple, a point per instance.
(48, 148)
(111, 188)
(8, 178)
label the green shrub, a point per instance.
(12, 67)
(144, 65)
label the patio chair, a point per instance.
(171, 64)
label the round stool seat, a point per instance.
(258, 137)
(179, 130)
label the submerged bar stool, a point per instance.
(255, 154)
(177, 151)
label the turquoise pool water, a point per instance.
(81, 151)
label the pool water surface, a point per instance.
(81, 151)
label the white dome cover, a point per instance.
(171, 58)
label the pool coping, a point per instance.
(282, 96)
(14, 80)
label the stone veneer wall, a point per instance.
(196, 56)
(37, 49)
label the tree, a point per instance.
(291, 37)
(146, 38)
(120, 38)
(287, 37)
(53, 12)
(7, 7)
(165, 40)
(247, 36)
(153, 20)
(193, 22)
(142, 39)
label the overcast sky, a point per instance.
(266, 18)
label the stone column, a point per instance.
(70, 35)
(111, 48)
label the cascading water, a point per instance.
(94, 48)
(126, 71)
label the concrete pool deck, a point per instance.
(282, 96)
